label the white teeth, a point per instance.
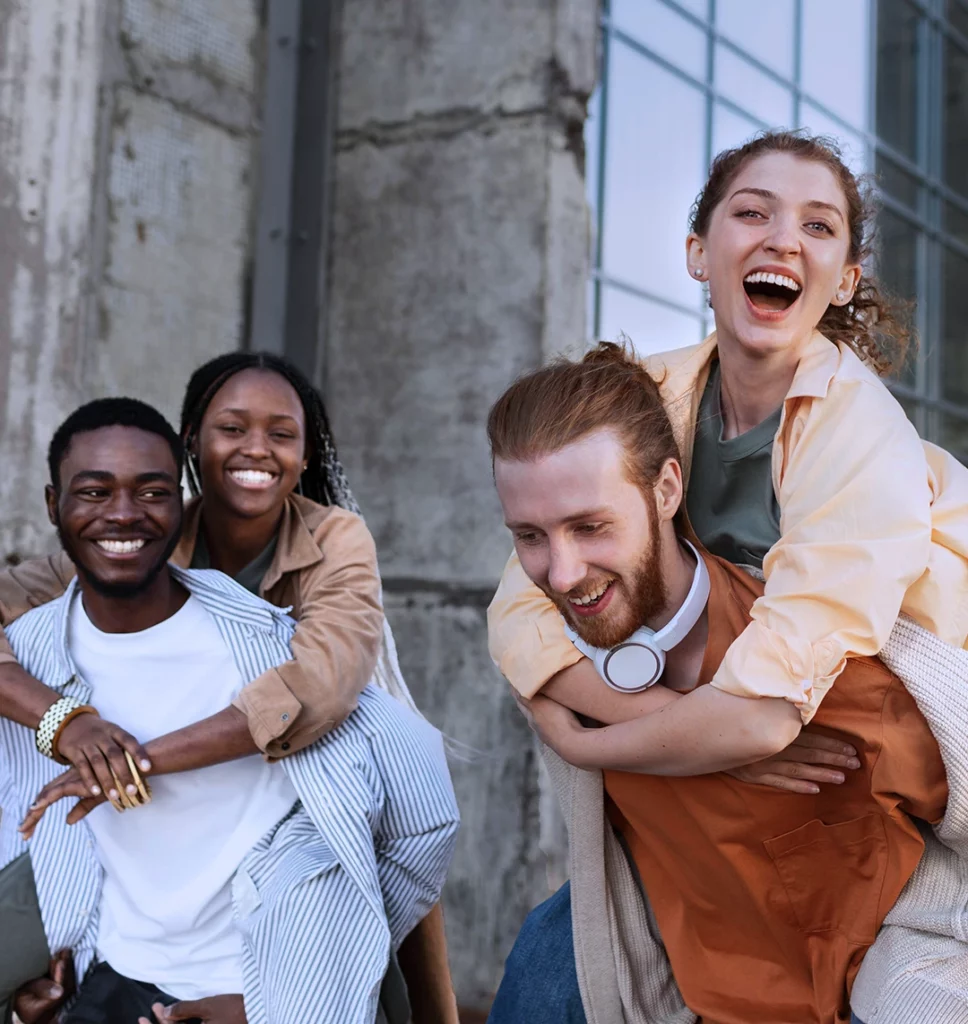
(761, 277)
(591, 598)
(251, 476)
(120, 547)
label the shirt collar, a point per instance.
(817, 367)
(296, 548)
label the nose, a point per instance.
(565, 568)
(123, 510)
(784, 238)
(255, 445)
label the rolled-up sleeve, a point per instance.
(855, 535)
(29, 585)
(335, 646)
(526, 635)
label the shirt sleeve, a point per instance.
(335, 645)
(855, 535)
(526, 635)
(29, 585)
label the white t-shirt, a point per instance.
(166, 903)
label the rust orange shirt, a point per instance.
(767, 901)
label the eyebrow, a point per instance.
(246, 412)
(595, 513)
(105, 477)
(765, 193)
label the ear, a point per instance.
(50, 499)
(668, 490)
(847, 284)
(695, 257)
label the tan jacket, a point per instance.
(325, 568)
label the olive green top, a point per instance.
(730, 501)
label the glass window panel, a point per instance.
(764, 30)
(897, 182)
(698, 7)
(653, 173)
(956, 222)
(664, 31)
(650, 326)
(897, 267)
(749, 88)
(955, 114)
(852, 146)
(954, 330)
(834, 61)
(954, 436)
(730, 129)
(898, 54)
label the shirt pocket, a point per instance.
(833, 875)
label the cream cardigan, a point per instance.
(916, 971)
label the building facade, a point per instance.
(888, 79)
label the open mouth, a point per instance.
(253, 479)
(121, 547)
(771, 293)
(594, 601)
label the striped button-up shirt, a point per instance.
(324, 895)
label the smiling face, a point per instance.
(252, 444)
(118, 507)
(587, 536)
(776, 253)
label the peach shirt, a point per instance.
(873, 523)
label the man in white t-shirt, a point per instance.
(246, 891)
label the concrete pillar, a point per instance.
(127, 130)
(458, 258)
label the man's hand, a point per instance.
(67, 785)
(39, 1001)
(809, 760)
(216, 1010)
(96, 748)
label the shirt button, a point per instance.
(285, 746)
(285, 716)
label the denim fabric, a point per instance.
(540, 983)
(854, 1019)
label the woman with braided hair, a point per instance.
(272, 508)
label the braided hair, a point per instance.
(323, 480)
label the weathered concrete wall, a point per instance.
(458, 259)
(127, 130)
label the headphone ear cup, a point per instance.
(634, 666)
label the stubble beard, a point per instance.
(642, 596)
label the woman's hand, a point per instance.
(216, 1010)
(40, 1000)
(555, 725)
(96, 749)
(809, 760)
(67, 785)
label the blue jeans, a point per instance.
(540, 983)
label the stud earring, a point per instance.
(840, 296)
(697, 273)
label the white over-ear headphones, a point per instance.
(637, 663)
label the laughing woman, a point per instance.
(797, 460)
(272, 509)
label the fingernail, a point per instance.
(853, 763)
(96, 790)
(146, 764)
(131, 790)
(35, 805)
(56, 991)
(814, 789)
(113, 794)
(838, 777)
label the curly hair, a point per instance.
(874, 324)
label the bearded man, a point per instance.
(765, 901)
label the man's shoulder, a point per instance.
(36, 625)
(387, 721)
(224, 598)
